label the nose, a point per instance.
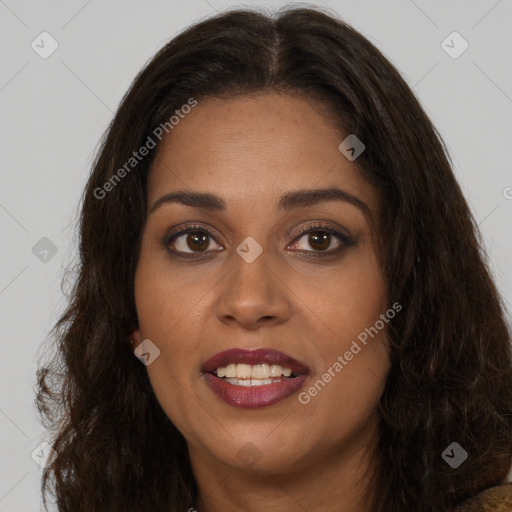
(253, 295)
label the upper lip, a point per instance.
(253, 357)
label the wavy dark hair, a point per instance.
(450, 349)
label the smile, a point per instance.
(254, 378)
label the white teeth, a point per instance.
(275, 370)
(230, 370)
(243, 371)
(257, 371)
(252, 382)
(260, 371)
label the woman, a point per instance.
(340, 345)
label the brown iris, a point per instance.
(197, 240)
(319, 240)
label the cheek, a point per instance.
(350, 304)
(163, 318)
(166, 297)
(346, 299)
(163, 312)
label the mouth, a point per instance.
(254, 378)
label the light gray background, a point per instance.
(54, 110)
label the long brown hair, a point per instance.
(451, 372)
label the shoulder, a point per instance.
(494, 499)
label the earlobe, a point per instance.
(135, 337)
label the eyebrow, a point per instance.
(287, 202)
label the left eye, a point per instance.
(320, 240)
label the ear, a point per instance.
(135, 336)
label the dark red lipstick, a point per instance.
(254, 396)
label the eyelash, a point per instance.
(345, 240)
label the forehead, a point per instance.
(253, 149)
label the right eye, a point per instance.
(192, 239)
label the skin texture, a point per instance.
(250, 150)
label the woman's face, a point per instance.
(262, 267)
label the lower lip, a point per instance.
(253, 397)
